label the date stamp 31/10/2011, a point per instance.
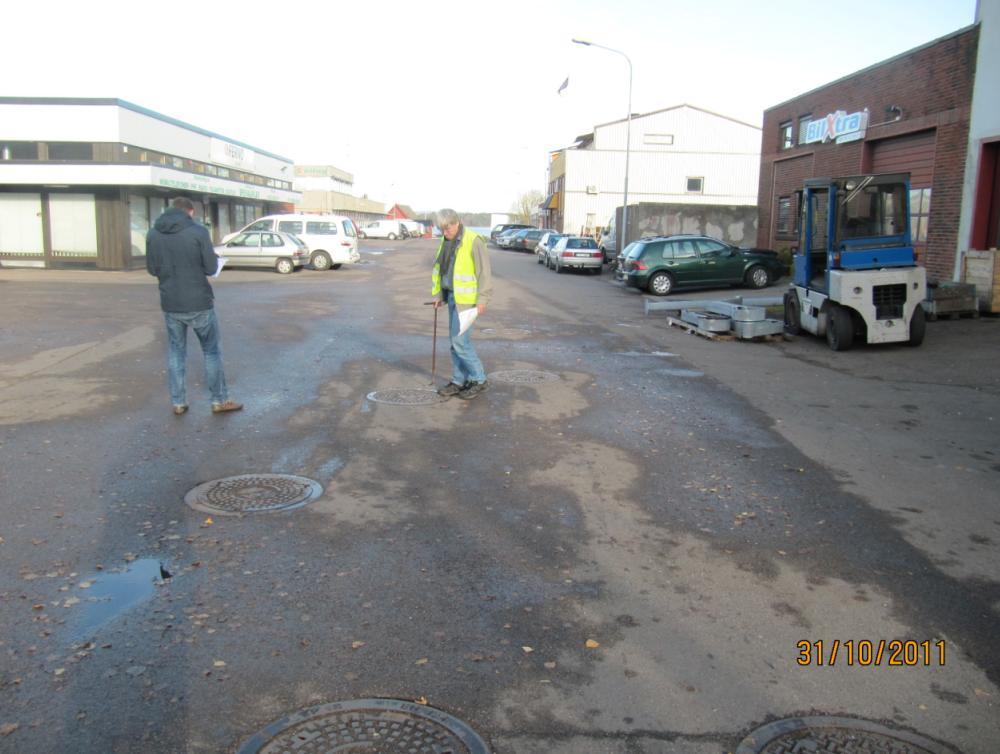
(898, 653)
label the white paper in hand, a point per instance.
(466, 318)
(222, 263)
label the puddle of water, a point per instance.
(645, 353)
(113, 593)
(331, 467)
(682, 372)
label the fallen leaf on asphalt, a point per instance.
(207, 522)
(357, 644)
(85, 584)
(591, 644)
(550, 666)
(58, 671)
(422, 661)
(421, 700)
(7, 728)
(219, 664)
(982, 692)
(528, 650)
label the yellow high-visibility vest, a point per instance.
(464, 283)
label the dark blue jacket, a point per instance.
(179, 253)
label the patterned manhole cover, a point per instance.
(843, 735)
(406, 396)
(367, 726)
(253, 493)
(523, 376)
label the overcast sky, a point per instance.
(448, 103)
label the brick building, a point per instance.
(906, 114)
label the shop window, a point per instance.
(786, 216)
(920, 212)
(19, 150)
(785, 136)
(695, 185)
(138, 211)
(71, 150)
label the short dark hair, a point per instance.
(182, 202)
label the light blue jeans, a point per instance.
(206, 326)
(466, 366)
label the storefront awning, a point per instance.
(552, 202)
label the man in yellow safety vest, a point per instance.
(462, 279)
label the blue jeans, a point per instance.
(206, 326)
(466, 366)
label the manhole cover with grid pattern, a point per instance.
(367, 726)
(253, 493)
(523, 376)
(406, 397)
(843, 735)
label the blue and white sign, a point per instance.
(839, 127)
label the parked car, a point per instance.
(527, 239)
(498, 229)
(505, 238)
(282, 252)
(579, 252)
(665, 263)
(391, 229)
(545, 243)
(413, 228)
(331, 239)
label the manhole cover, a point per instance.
(406, 397)
(253, 493)
(523, 376)
(843, 735)
(367, 726)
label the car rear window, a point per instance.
(582, 243)
(349, 229)
(321, 228)
(290, 226)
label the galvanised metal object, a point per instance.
(523, 376)
(843, 735)
(759, 328)
(253, 493)
(406, 397)
(367, 726)
(706, 320)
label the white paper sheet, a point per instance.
(222, 263)
(466, 318)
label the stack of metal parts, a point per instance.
(745, 319)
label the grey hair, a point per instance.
(447, 217)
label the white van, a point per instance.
(332, 239)
(391, 229)
(413, 228)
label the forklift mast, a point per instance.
(854, 223)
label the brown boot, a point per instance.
(221, 408)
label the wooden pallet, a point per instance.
(694, 330)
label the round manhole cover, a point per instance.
(406, 397)
(844, 735)
(367, 726)
(253, 493)
(523, 376)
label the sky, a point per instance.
(441, 103)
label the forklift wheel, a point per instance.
(839, 328)
(793, 320)
(918, 325)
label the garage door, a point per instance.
(913, 154)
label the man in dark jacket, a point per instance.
(179, 253)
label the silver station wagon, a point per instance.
(281, 252)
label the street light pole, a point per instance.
(628, 130)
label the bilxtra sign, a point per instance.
(839, 126)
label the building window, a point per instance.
(695, 185)
(785, 135)
(803, 127)
(786, 216)
(920, 212)
(19, 150)
(666, 140)
(71, 150)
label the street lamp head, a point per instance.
(582, 42)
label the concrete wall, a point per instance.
(734, 224)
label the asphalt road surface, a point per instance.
(624, 559)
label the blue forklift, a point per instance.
(856, 277)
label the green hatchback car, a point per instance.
(665, 263)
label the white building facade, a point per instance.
(979, 222)
(682, 154)
(82, 180)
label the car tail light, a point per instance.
(596, 254)
(567, 253)
(638, 265)
(345, 243)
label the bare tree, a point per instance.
(525, 206)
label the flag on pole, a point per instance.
(564, 85)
